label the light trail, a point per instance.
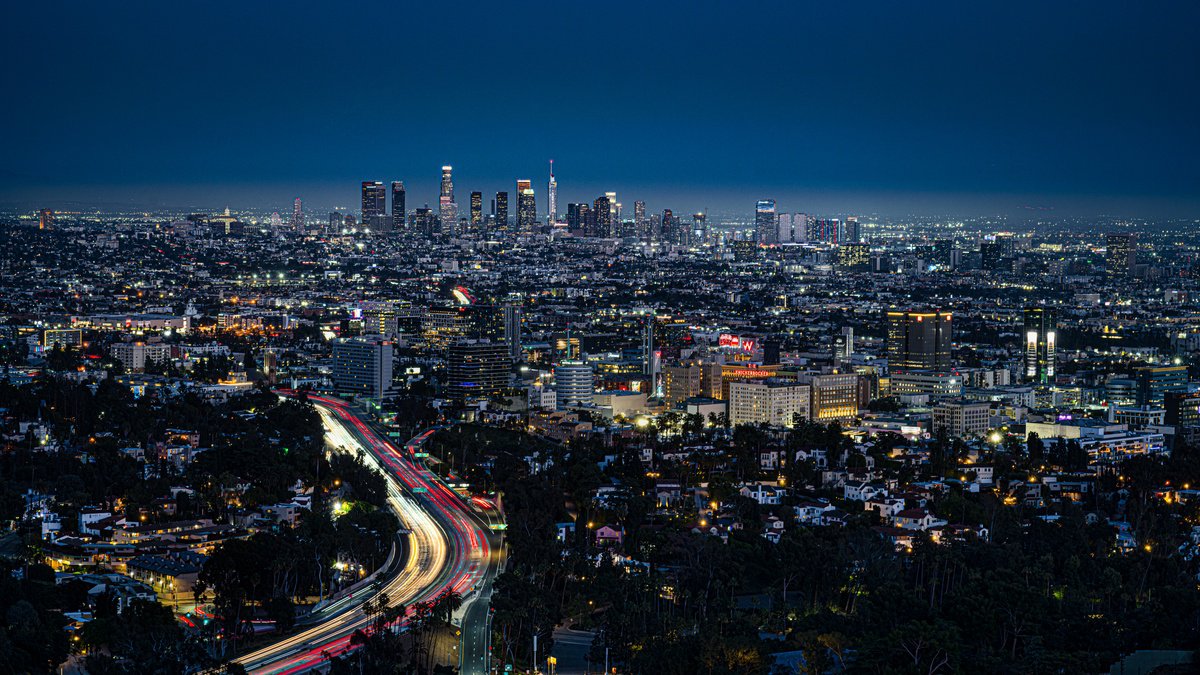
(446, 546)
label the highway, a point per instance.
(450, 548)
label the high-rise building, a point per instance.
(765, 229)
(512, 331)
(398, 199)
(424, 221)
(476, 211)
(501, 210)
(297, 215)
(639, 220)
(681, 381)
(46, 219)
(919, 340)
(552, 197)
(374, 204)
(363, 366)
(1182, 409)
(574, 384)
(843, 345)
(699, 231)
(476, 369)
(1120, 254)
(1153, 383)
(526, 207)
(854, 257)
(1041, 339)
(667, 231)
(852, 233)
(447, 208)
(335, 221)
(577, 217)
(834, 397)
(602, 217)
(768, 401)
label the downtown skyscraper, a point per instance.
(398, 200)
(447, 208)
(764, 222)
(500, 210)
(526, 207)
(552, 196)
(477, 211)
(374, 205)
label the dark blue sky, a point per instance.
(895, 107)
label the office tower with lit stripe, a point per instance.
(374, 204)
(919, 340)
(1041, 339)
(500, 210)
(639, 220)
(46, 219)
(1121, 254)
(526, 207)
(398, 199)
(765, 231)
(552, 196)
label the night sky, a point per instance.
(890, 107)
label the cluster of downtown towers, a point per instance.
(602, 218)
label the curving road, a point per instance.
(450, 548)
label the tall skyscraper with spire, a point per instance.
(448, 210)
(552, 195)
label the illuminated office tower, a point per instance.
(526, 207)
(784, 228)
(614, 214)
(919, 340)
(552, 196)
(699, 231)
(602, 215)
(639, 220)
(764, 222)
(374, 204)
(46, 219)
(500, 210)
(297, 215)
(477, 211)
(335, 221)
(1121, 254)
(666, 228)
(1041, 337)
(398, 199)
(447, 208)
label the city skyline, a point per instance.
(700, 111)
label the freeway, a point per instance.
(449, 548)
